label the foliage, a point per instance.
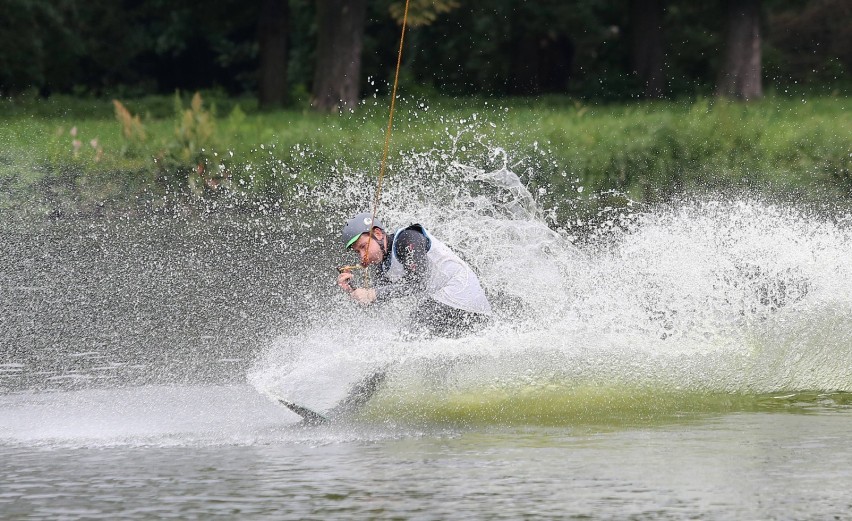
(580, 157)
(188, 158)
(191, 155)
(421, 12)
(40, 43)
(195, 130)
(812, 43)
(126, 49)
(131, 129)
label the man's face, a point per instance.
(371, 254)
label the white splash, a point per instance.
(716, 295)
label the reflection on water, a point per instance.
(162, 451)
(741, 466)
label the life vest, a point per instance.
(451, 280)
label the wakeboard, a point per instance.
(309, 417)
(355, 399)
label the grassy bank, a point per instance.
(61, 150)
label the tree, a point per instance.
(523, 47)
(814, 40)
(340, 33)
(272, 43)
(42, 47)
(647, 59)
(540, 52)
(740, 75)
(421, 12)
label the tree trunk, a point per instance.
(340, 29)
(539, 62)
(272, 40)
(524, 67)
(740, 76)
(646, 22)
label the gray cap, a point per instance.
(361, 223)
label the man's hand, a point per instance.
(344, 280)
(363, 296)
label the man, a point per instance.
(412, 262)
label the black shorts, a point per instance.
(439, 319)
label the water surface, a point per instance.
(689, 361)
(201, 454)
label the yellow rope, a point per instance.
(378, 197)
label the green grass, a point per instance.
(650, 151)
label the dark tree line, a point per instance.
(740, 74)
(324, 50)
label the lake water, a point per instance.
(191, 452)
(206, 451)
(684, 362)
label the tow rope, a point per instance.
(377, 199)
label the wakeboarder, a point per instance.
(411, 262)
